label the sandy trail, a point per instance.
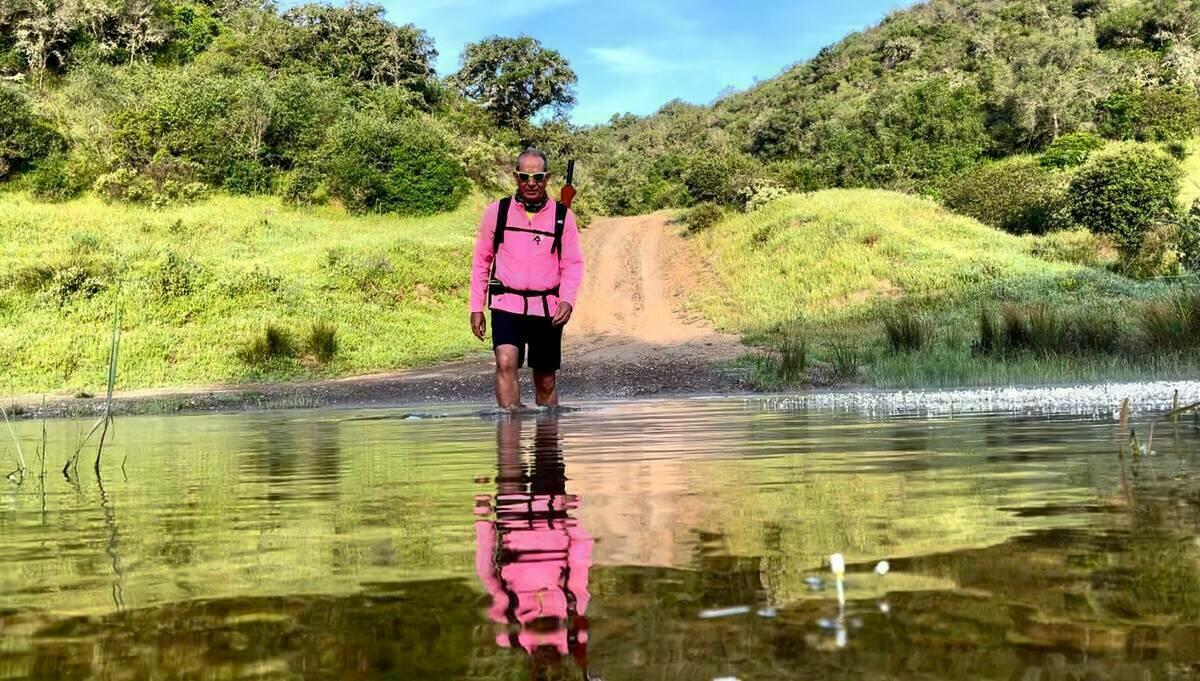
(631, 303)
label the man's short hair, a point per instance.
(530, 151)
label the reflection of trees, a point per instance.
(397, 631)
(282, 453)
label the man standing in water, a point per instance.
(527, 270)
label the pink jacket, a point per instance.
(525, 261)
(544, 562)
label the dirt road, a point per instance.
(629, 337)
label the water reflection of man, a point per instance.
(531, 555)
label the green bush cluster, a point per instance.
(702, 217)
(402, 166)
(25, 137)
(718, 177)
(1016, 195)
(1124, 193)
(1150, 115)
(1071, 150)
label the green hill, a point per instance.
(199, 285)
(932, 90)
(835, 267)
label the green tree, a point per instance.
(358, 43)
(41, 33)
(515, 78)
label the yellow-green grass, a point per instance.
(1191, 175)
(830, 263)
(197, 283)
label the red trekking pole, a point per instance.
(567, 195)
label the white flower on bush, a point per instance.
(759, 193)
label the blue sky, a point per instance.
(636, 56)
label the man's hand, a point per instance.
(478, 325)
(563, 314)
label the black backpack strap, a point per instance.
(501, 224)
(560, 224)
(497, 238)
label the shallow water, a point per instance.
(664, 540)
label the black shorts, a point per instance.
(539, 333)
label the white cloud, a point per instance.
(630, 60)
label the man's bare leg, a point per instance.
(508, 390)
(547, 388)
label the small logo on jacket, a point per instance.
(537, 240)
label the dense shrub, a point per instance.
(184, 115)
(25, 137)
(923, 133)
(717, 177)
(302, 187)
(703, 217)
(59, 177)
(248, 178)
(1158, 255)
(759, 194)
(161, 184)
(1071, 150)
(1124, 193)
(1016, 195)
(402, 166)
(175, 276)
(61, 279)
(1153, 115)
(193, 29)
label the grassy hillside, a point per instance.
(932, 90)
(836, 254)
(1191, 177)
(197, 285)
(833, 266)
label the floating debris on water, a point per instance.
(814, 583)
(767, 612)
(724, 612)
(837, 563)
(882, 568)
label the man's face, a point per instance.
(531, 189)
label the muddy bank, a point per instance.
(461, 383)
